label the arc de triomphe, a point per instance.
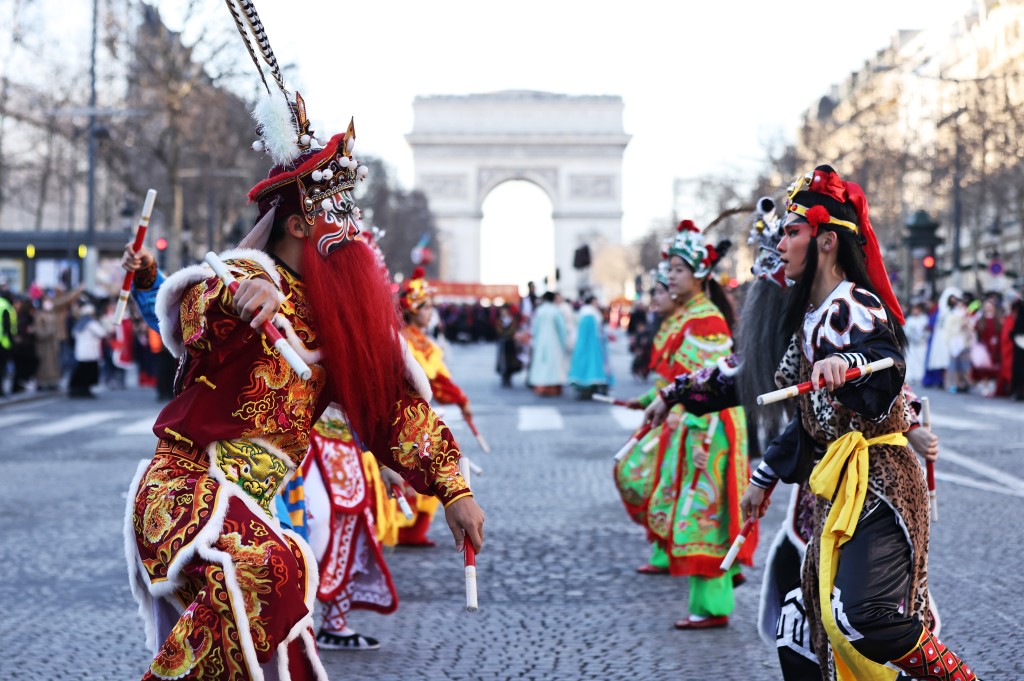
(570, 146)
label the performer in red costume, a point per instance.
(224, 591)
(342, 489)
(415, 298)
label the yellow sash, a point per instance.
(849, 453)
(385, 508)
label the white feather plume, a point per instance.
(277, 127)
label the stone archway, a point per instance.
(570, 146)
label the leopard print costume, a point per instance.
(895, 478)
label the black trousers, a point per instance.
(872, 589)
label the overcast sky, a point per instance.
(704, 83)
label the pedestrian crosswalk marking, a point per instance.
(1003, 412)
(540, 418)
(70, 423)
(942, 421)
(628, 419)
(140, 427)
(998, 476)
(977, 484)
(13, 419)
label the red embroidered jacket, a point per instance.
(236, 386)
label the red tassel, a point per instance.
(817, 215)
(687, 226)
(418, 273)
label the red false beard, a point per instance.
(358, 329)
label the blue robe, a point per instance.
(547, 347)
(589, 366)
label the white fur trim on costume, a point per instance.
(168, 298)
(168, 304)
(202, 545)
(312, 568)
(414, 372)
(136, 581)
(235, 595)
(314, 660)
(725, 368)
(288, 331)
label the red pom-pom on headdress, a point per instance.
(712, 255)
(687, 226)
(817, 215)
(418, 273)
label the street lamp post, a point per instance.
(90, 217)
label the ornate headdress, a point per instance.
(765, 235)
(689, 245)
(660, 273)
(823, 198)
(414, 292)
(309, 178)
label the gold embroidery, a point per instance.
(257, 471)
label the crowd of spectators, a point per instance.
(54, 339)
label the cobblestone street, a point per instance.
(559, 598)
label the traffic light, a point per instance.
(928, 261)
(161, 252)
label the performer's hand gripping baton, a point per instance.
(476, 433)
(929, 465)
(852, 373)
(469, 552)
(637, 436)
(140, 236)
(748, 527)
(403, 503)
(268, 328)
(597, 397)
(692, 492)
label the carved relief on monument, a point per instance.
(547, 178)
(592, 186)
(447, 186)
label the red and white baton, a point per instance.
(469, 553)
(269, 330)
(692, 492)
(637, 436)
(852, 373)
(929, 466)
(140, 237)
(597, 397)
(403, 503)
(476, 433)
(748, 527)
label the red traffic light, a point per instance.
(928, 261)
(161, 244)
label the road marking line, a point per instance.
(66, 425)
(140, 427)
(12, 419)
(940, 421)
(977, 484)
(1013, 413)
(628, 419)
(540, 418)
(1000, 477)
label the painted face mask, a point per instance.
(765, 234)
